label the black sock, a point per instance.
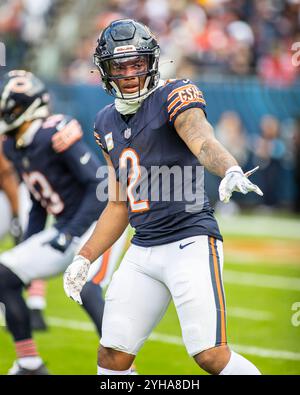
(16, 310)
(93, 303)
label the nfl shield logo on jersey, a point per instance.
(127, 133)
(109, 141)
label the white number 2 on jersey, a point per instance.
(135, 174)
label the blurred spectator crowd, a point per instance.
(236, 37)
(220, 37)
(23, 25)
(275, 149)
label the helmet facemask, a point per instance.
(122, 41)
(119, 71)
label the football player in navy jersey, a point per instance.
(176, 252)
(14, 206)
(59, 171)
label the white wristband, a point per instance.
(80, 257)
(236, 169)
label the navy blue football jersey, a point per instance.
(146, 145)
(60, 172)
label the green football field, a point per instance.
(262, 285)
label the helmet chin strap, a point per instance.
(127, 105)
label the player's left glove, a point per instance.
(16, 230)
(61, 241)
(236, 181)
(75, 277)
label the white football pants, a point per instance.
(36, 259)
(188, 271)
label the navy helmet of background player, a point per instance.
(24, 98)
(60, 172)
(175, 253)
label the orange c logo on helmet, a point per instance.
(20, 85)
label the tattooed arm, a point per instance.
(194, 129)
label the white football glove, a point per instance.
(236, 181)
(75, 277)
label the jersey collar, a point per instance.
(130, 107)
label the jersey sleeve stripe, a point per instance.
(186, 104)
(67, 136)
(173, 103)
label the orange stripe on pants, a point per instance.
(219, 290)
(103, 268)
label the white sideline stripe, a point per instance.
(267, 353)
(235, 312)
(77, 325)
(241, 259)
(260, 225)
(249, 314)
(262, 280)
(250, 350)
(176, 340)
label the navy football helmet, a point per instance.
(122, 41)
(23, 98)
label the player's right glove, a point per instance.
(236, 181)
(75, 277)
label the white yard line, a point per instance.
(249, 314)
(249, 258)
(260, 225)
(176, 340)
(250, 350)
(262, 280)
(71, 324)
(235, 312)
(266, 352)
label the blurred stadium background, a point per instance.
(243, 56)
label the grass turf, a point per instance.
(73, 351)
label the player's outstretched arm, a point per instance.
(110, 226)
(194, 129)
